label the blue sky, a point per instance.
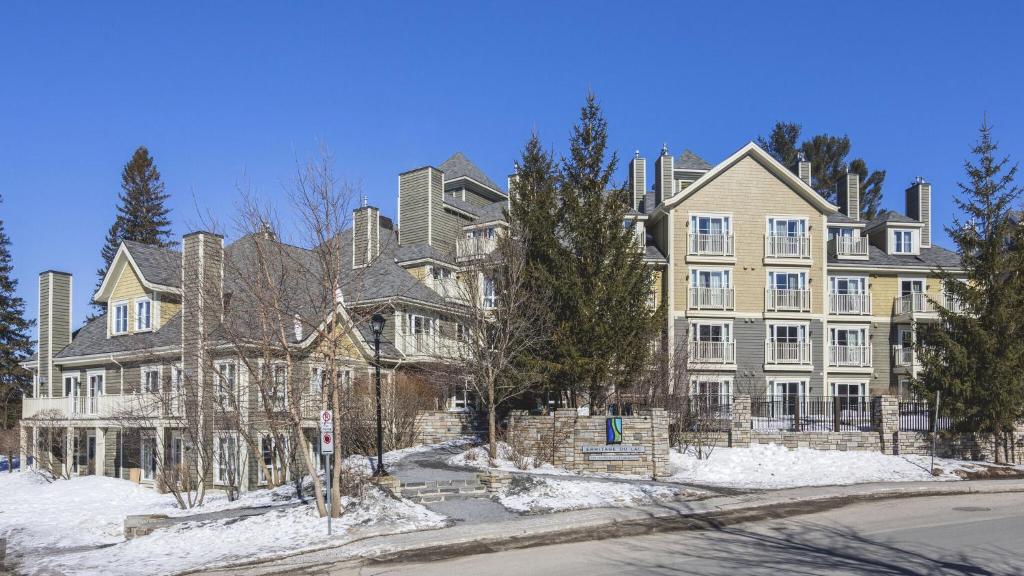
(218, 90)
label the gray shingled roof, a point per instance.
(491, 213)
(652, 254)
(419, 251)
(459, 165)
(460, 204)
(158, 265)
(840, 218)
(890, 216)
(92, 339)
(649, 204)
(690, 161)
(930, 258)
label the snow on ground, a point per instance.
(531, 494)
(766, 466)
(477, 458)
(76, 526)
(366, 464)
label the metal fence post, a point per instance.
(836, 413)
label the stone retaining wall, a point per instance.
(579, 443)
(436, 426)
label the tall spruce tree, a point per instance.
(15, 338)
(141, 214)
(827, 155)
(975, 356)
(588, 258)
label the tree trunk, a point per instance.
(492, 437)
(335, 479)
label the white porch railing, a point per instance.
(796, 353)
(704, 352)
(851, 356)
(787, 246)
(788, 299)
(428, 345)
(849, 303)
(848, 246)
(475, 246)
(712, 245)
(913, 303)
(702, 298)
(903, 355)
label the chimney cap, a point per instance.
(206, 232)
(664, 149)
(52, 271)
(919, 180)
(800, 156)
(636, 154)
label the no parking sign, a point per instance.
(326, 443)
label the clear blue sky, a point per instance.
(218, 89)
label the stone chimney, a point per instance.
(202, 303)
(848, 195)
(54, 326)
(664, 179)
(638, 179)
(803, 169)
(919, 207)
(365, 235)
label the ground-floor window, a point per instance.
(270, 452)
(225, 458)
(850, 394)
(787, 393)
(148, 457)
(462, 398)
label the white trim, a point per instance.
(101, 294)
(804, 381)
(135, 308)
(112, 320)
(159, 378)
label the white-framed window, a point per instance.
(903, 242)
(851, 394)
(420, 324)
(848, 336)
(316, 380)
(279, 386)
(440, 272)
(710, 224)
(787, 280)
(848, 284)
(178, 450)
(490, 293)
(150, 379)
(787, 333)
(787, 226)
(119, 318)
(714, 388)
(143, 314)
(226, 382)
(841, 232)
(225, 458)
(911, 286)
(705, 331)
(711, 278)
(269, 447)
(96, 382)
(905, 337)
(149, 456)
(462, 398)
(787, 388)
(177, 381)
(72, 386)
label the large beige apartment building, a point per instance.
(769, 289)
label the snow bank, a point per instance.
(477, 458)
(774, 466)
(529, 494)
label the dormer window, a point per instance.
(902, 242)
(120, 319)
(143, 314)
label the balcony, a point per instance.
(711, 352)
(848, 247)
(702, 298)
(849, 356)
(787, 246)
(428, 345)
(787, 300)
(449, 288)
(711, 245)
(902, 356)
(918, 304)
(849, 303)
(100, 406)
(787, 353)
(474, 247)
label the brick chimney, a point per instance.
(54, 326)
(664, 184)
(365, 235)
(803, 169)
(848, 195)
(638, 179)
(919, 207)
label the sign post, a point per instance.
(327, 450)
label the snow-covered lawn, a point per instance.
(773, 466)
(76, 526)
(532, 494)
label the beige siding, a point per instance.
(169, 306)
(750, 194)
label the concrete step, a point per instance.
(441, 490)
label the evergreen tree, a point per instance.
(975, 356)
(15, 340)
(827, 155)
(589, 262)
(141, 214)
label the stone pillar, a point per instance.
(886, 415)
(100, 461)
(564, 419)
(660, 444)
(739, 434)
(27, 433)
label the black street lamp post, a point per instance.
(377, 324)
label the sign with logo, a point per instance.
(613, 452)
(326, 421)
(327, 443)
(613, 429)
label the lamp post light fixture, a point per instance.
(377, 325)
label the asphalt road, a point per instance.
(953, 535)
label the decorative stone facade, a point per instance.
(435, 426)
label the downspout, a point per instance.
(120, 433)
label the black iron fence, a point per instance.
(919, 416)
(793, 413)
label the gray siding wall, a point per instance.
(476, 199)
(882, 339)
(443, 223)
(638, 179)
(45, 376)
(926, 214)
(365, 235)
(415, 222)
(749, 334)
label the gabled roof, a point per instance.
(158, 269)
(91, 339)
(840, 218)
(781, 172)
(892, 216)
(930, 258)
(459, 166)
(690, 161)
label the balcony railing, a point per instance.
(903, 355)
(790, 353)
(849, 303)
(428, 345)
(850, 356)
(705, 352)
(702, 298)
(913, 303)
(787, 246)
(841, 246)
(787, 299)
(475, 246)
(712, 245)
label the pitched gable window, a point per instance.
(120, 320)
(143, 314)
(902, 242)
